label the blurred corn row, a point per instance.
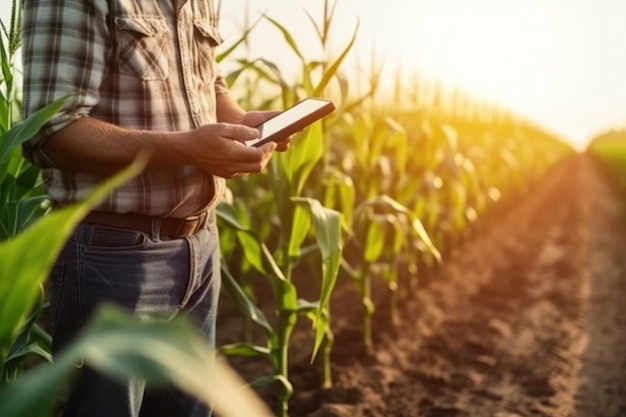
(380, 190)
(609, 149)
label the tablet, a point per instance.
(292, 120)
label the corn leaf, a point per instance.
(299, 230)
(296, 165)
(244, 349)
(288, 38)
(284, 383)
(126, 348)
(334, 66)
(249, 241)
(26, 259)
(374, 241)
(233, 289)
(26, 129)
(327, 227)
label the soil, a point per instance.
(525, 318)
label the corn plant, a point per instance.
(609, 149)
(288, 306)
(383, 230)
(9, 44)
(443, 165)
(28, 257)
(115, 344)
(408, 182)
(272, 227)
(21, 203)
(130, 348)
(21, 195)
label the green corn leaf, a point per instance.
(388, 204)
(41, 336)
(273, 77)
(233, 289)
(8, 171)
(418, 227)
(374, 241)
(127, 348)
(30, 340)
(290, 40)
(7, 80)
(283, 382)
(244, 349)
(305, 307)
(396, 228)
(296, 165)
(327, 227)
(334, 66)
(270, 264)
(341, 188)
(26, 259)
(287, 296)
(251, 244)
(252, 248)
(26, 129)
(5, 113)
(28, 210)
(15, 161)
(311, 309)
(12, 362)
(242, 39)
(28, 178)
(299, 230)
(227, 213)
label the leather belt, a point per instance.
(170, 227)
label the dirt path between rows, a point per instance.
(525, 319)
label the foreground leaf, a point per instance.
(125, 348)
(26, 259)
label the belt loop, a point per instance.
(155, 226)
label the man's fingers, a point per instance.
(267, 148)
(238, 132)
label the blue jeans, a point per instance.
(144, 274)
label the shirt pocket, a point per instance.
(144, 47)
(207, 38)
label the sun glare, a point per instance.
(498, 50)
(558, 62)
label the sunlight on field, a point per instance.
(556, 62)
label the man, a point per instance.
(144, 77)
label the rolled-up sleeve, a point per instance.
(64, 52)
(220, 85)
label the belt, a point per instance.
(170, 227)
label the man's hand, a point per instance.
(229, 111)
(219, 150)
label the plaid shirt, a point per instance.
(145, 65)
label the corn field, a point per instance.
(383, 189)
(610, 149)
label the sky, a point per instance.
(558, 63)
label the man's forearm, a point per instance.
(91, 145)
(228, 110)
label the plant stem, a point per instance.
(327, 376)
(286, 322)
(364, 286)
